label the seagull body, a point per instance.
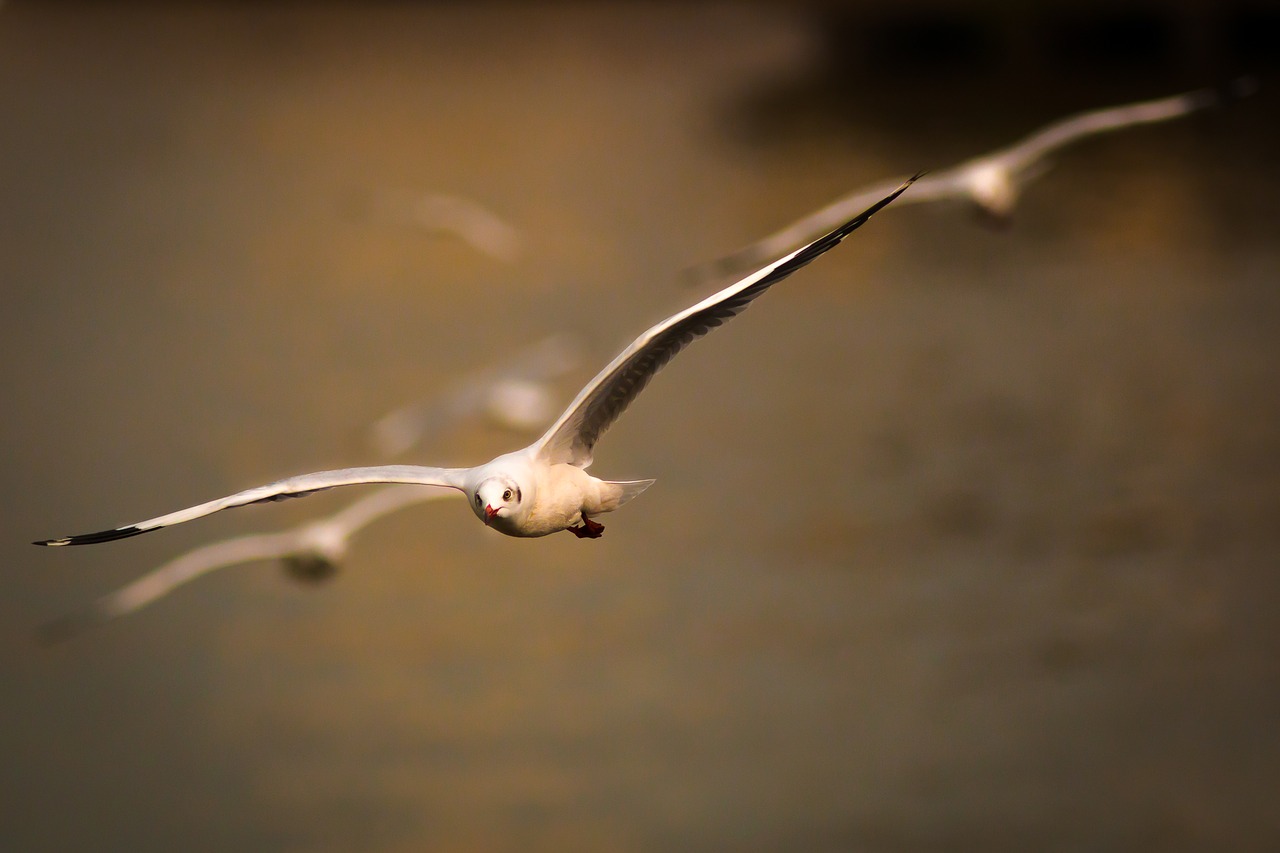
(544, 488)
(991, 183)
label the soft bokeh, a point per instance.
(961, 540)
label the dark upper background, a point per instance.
(962, 539)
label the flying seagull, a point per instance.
(450, 214)
(310, 552)
(991, 183)
(543, 488)
(515, 394)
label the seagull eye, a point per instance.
(478, 500)
(506, 496)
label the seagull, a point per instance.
(515, 394)
(991, 183)
(310, 552)
(441, 213)
(543, 488)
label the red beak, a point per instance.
(489, 513)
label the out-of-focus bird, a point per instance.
(442, 213)
(543, 488)
(517, 394)
(310, 552)
(991, 183)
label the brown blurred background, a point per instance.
(962, 539)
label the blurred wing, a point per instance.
(477, 394)
(290, 487)
(930, 187)
(1068, 130)
(382, 502)
(573, 437)
(160, 582)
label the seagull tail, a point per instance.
(624, 490)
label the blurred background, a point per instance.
(963, 539)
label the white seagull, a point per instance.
(543, 488)
(310, 552)
(991, 183)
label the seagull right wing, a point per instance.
(290, 487)
(572, 438)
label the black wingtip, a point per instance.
(829, 240)
(857, 221)
(92, 538)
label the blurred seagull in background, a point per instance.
(310, 552)
(544, 488)
(516, 395)
(441, 213)
(991, 183)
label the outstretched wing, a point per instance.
(573, 437)
(930, 187)
(290, 487)
(163, 580)
(481, 393)
(298, 542)
(1068, 130)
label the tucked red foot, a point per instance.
(589, 529)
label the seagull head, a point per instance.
(497, 498)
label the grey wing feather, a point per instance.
(572, 438)
(303, 484)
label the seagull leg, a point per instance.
(589, 529)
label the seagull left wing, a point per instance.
(290, 487)
(573, 437)
(1068, 130)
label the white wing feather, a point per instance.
(290, 487)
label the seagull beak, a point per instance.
(489, 514)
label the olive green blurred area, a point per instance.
(962, 539)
